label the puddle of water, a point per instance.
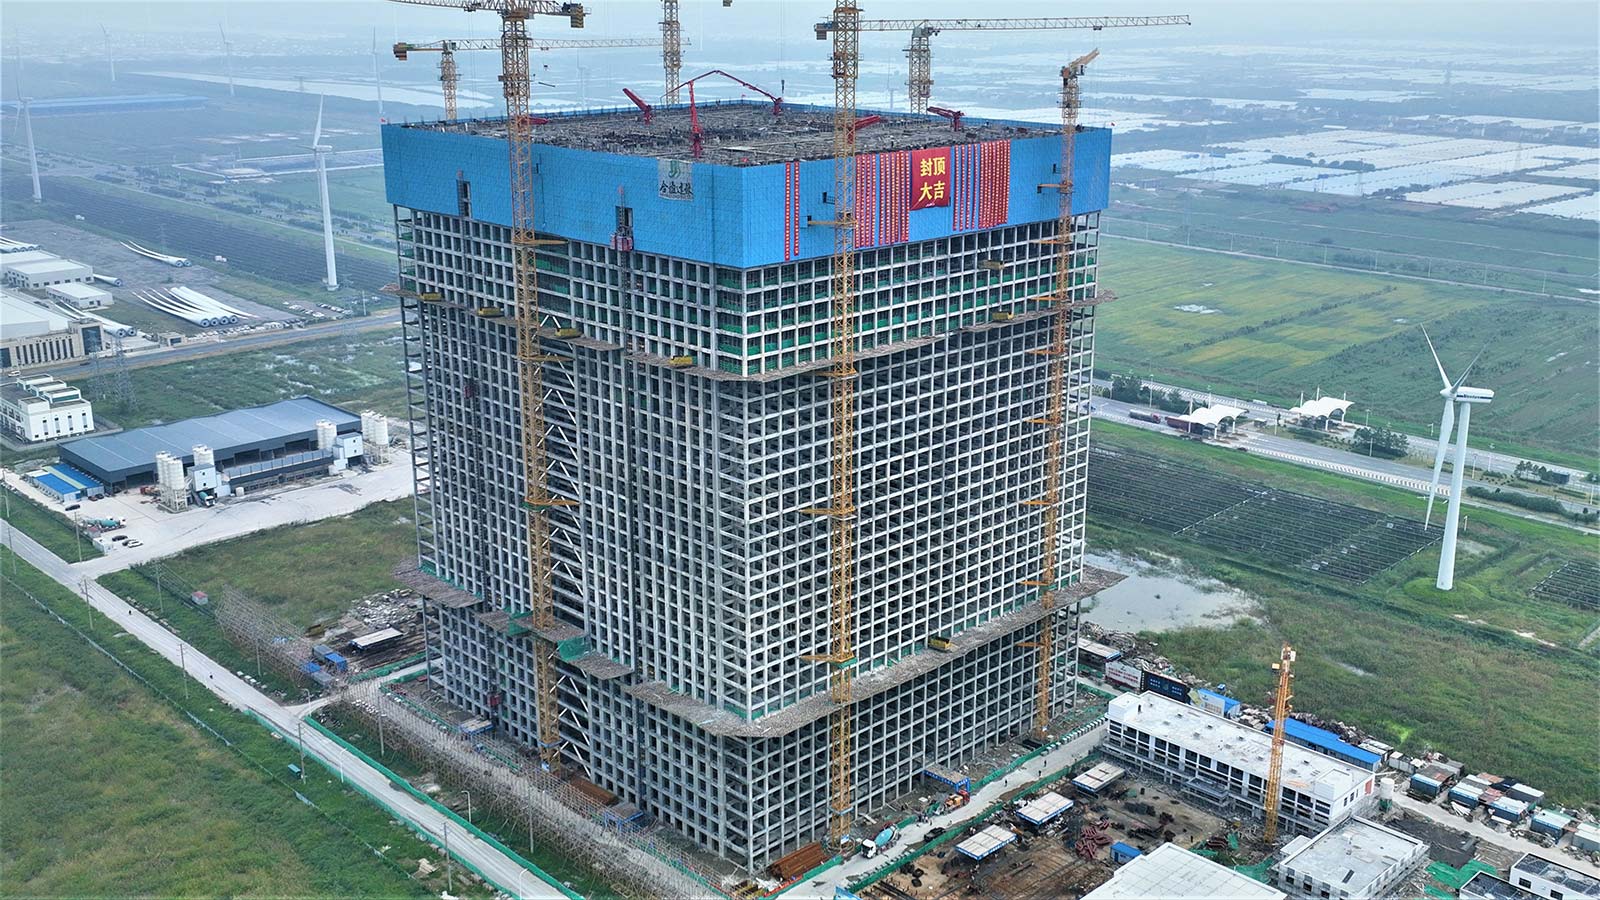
(1158, 598)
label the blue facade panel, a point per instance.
(737, 215)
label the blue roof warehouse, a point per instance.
(238, 436)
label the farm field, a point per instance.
(354, 193)
(360, 372)
(109, 790)
(280, 254)
(1523, 710)
(1565, 250)
(1279, 329)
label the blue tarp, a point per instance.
(1328, 742)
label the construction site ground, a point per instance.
(1042, 864)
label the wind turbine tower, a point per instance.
(377, 74)
(320, 152)
(1458, 402)
(110, 56)
(33, 154)
(227, 57)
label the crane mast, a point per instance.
(1280, 715)
(448, 79)
(842, 382)
(517, 83)
(1055, 417)
(671, 48)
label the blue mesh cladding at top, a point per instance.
(736, 217)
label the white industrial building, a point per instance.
(41, 408)
(82, 296)
(1357, 859)
(36, 335)
(1223, 763)
(1552, 880)
(42, 273)
(1170, 872)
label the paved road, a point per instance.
(1439, 816)
(1421, 446)
(1333, 459)
(234, 691)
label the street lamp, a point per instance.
(469, 806)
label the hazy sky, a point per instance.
(1513, 26)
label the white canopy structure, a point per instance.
(1328, 408)
(1213, 416)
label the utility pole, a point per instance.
(468, 795)
(300, 738)
(183, 664)
(449, 862)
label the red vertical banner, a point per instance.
(994, 183)
(930, 178)
(797, 213)
(898, 195)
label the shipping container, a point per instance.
(1121, 853)
(1466, 796)
(1550, 822)
(1526, 793)
(1423, 786)
(1508, 809)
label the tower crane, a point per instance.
(841, 656)
(538, 501)
(1063, 305)
(448, 73)
(1280, 728)
(919, 53)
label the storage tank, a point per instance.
(327, 434)
(375, 429)
(204, 457)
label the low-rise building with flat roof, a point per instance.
(1357, 859)
(35, 335)
(1483, 886)
(43, 273)
(41, 408)
(1170, 872)
(1224, 764)
(82, 296)
(1552, 880)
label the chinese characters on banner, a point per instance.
(930, 178)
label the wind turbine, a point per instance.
(377, 75)
(227, 56)
(1456, 397)
(320, 151)
(110, 56)
(33, 154)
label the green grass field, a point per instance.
(334, 562)
(54, 531)
(1412, 665)
(110, 790)
(1281, 329)
(362, 371)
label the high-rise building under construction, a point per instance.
(686, 304)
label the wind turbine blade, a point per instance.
(1442, 376)
(1445, 424)
(316, 136)
(1468, 370)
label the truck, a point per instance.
(880, 843)
(1142, 415)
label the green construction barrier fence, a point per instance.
(402, 784)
